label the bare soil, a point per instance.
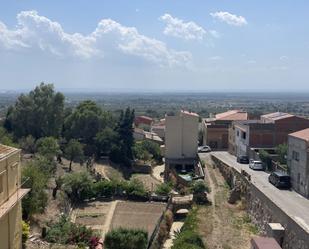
(149, 181)
(223, 226)
(137, 215)
(108, 170)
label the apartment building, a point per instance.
(268, 132)
(216, 129)
(11, 194)
(298, 161)
(181, 141)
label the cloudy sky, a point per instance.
(175, 45)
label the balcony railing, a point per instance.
(12, 200)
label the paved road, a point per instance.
(293, 204)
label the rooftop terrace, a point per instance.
(6, 150)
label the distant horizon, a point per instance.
(155, 91)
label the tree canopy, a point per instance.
(39, 113)
(73, 151)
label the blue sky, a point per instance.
(100, 45)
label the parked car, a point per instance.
(256, 165)
(243, 159)
(280, 180)
(203, 149)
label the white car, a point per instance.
(256, 165)
(203, 149)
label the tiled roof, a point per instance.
(277, 115)
(189, 113)
(145, 118)
(303, 134)
(232, 115)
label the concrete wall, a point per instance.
(181, 136)
(262, 210)
(10, 223)
(10, 175)
(232, 140)
(241, 144)
(299, 170)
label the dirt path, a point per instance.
(223, 226)
(108, 219)
(100, 168)
(157, 172)
(177, 225)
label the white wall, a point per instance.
(299, 167)
(181, 136)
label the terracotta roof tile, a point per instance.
(303, 134)
(232, 115)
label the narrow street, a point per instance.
(223, 226)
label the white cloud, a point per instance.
(216, 58)
(108, 39)
(229, 18)
(284, 58)
(186, 30)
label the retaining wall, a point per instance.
(263, 210)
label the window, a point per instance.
(295, 155)
(237, 133)
(1, 183)
(244, 135)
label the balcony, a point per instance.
(12, 200)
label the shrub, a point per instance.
(36, 179)
(164, 189)
(66, 232)
(134, 189)
(188, 238)
(78, 186)
(25, 232)
(199, 187)
(126, 239)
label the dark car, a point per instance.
(280, 180)
(243, 159)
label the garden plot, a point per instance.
(137, 215)
(92, 214)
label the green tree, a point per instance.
(282, 151)
(6, 138)
(105, 140)
(48, 147)
(36, 179)
(266, 159)
(85, 122)
(39, 113)
(140, 152)
(27, 144)
(146, 150)
(78, 186)
(126, 239)
(73, 151)
(125, 131)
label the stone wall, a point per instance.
(261, 209)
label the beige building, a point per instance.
(181, 141)
(298, 161)
(11, 194)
